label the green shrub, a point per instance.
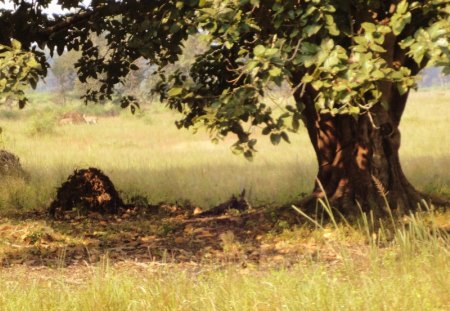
(9, 114)
(42, 124)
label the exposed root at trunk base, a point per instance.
(376, 200)
(435, 200)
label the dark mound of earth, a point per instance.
(10, 164)
(86, 190)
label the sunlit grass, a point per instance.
(373, 267)
(392, 287)
(150, 157)
(147, 155)
(410, 272)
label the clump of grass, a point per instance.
(10, 114)
(43, 123)
(16, 194)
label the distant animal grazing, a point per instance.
(65, 121)
(76, 117)
(90, 119)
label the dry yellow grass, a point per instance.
(148, 156)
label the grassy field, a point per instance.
(336, 268)
(383, 284)
(146, 155)
(169, 263)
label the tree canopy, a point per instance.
(343, 52)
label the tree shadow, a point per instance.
(169, 237)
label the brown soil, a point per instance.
(86, 190)
(168, 234)
(172, 234)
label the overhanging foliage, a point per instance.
(344, 53)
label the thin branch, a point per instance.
(71, 20)
(372, 120)
(234, 81)
(295, 51)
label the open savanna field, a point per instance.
(168, 260)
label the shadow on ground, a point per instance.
(171, 235)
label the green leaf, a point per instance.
(398, 23)
(22, 102)
(275, 138)
(252, 65)
(252, 143)
(248, 155)
(369, 27)
(402, 7)
(418, 51)
(378, 74)
(307, 78)
(402, 88)
(229, 44)
(32, 63)
(317, 84)
(259, 50)
(285, 137)
(266, 130)
(275, 72)
(175, 91)
(270, 52)
(16, 45)
(311, 30)
(179, 5)
(377, 48)
(361, 40)
(354, 110)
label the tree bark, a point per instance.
(358, 158)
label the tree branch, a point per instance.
(73, 19)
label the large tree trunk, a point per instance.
(359, 160)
